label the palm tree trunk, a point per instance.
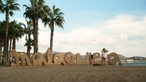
(6, 37)
(28, 51)
(0, 52)
(10, 45)
(36, 35)
(14, 43)
(29, 46)
(51, 39)
(33, 33)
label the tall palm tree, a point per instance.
(7, 6)
(34, 12)
(55, 18)
(29, 40)
(1, 37)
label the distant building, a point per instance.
(130, 61)
(124, 61)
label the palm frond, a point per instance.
(11, 13)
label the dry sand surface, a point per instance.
(73, 73)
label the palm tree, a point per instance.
(34, 12)
(16, 31)
(11, 33)
(55, 18)
(7, 6)
(1, 37)
(29, 40)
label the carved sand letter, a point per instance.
(15, 55)
(69, 59)
(38, 59)
(80, 60)
(114, 58)
(25, 59)
(96, 58)
(49, 56)
(59, 58)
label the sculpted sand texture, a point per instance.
(38, 59)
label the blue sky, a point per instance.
(117, 25)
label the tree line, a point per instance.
(10, 31)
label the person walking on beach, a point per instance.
(104, 56)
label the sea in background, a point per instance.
(134, 64)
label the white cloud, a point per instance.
(124, 34)
(128, 24)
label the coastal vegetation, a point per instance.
(7, 7)
(10, 31)
(55, 17)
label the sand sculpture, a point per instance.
(80, 60)
(19, 59)
(24, 60)
(49, 56)
(59, 58)
(96, 58)
(69, 58)
(113, 59)
(38, 59)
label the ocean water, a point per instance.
(134, 64)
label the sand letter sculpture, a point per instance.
(39, 59)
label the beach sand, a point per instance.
(73, 73)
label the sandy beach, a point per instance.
(73, 73)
